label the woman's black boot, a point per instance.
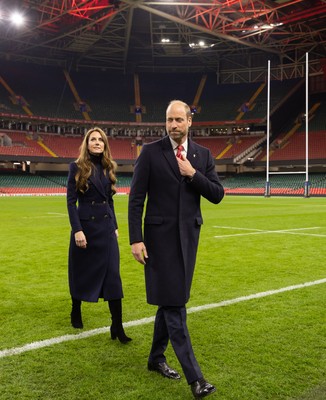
(116, 328)
(76, 318)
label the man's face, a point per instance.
(177, 122)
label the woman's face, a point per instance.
(95, 143)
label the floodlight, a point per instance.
(17, 18)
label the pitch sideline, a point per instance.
(65, 338)
(292, 231)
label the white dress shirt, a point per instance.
(175, 147)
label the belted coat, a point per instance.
(93, 272)
(170, 225)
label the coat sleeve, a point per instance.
(206, 181)
(72, 198)
(137, 196)
(111, 204)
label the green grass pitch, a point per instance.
(255, 342)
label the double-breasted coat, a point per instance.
(172, 220)
(93, 272)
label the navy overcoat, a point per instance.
(94, 271)
(172, 219)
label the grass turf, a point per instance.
(259, 349)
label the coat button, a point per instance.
(93, 202)
(105, 215)
(93, 217)
(104, 201)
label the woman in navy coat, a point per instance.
(94, 260)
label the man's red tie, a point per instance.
(179, 151)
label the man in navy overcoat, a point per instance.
(170, 180)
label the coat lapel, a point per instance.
(170, 156)
(192, 153)
(95, 179)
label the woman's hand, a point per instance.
(80, 239)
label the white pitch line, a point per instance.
(66, 338)
(262, 232)
(256, 296)
(237, 228)
(306, 234)
(55, 213)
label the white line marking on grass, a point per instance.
(54, 213)
(237, 228)
(307, 234)
(59, 215)
(67, 338)
(256, 296)
(262, 232)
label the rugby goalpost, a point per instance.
(268, 173)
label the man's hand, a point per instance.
(139, 252)
(186, 169)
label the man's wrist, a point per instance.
(191, 177)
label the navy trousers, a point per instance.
(171, 324)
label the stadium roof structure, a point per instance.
(163, 35)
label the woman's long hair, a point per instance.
(85, 165)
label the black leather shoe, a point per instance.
(202, 388)
(163, 369)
